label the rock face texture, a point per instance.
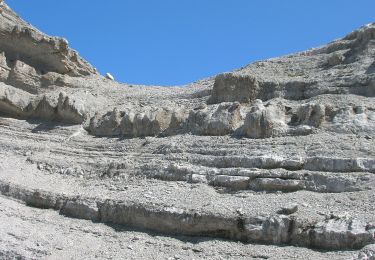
(25, 45)
(279, 155)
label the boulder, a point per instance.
(263, 122)
(109, 76)
(151, 122)
(288, 209)
(106, 125)
(215, 120)
(13, 102)
(335, 59)
(229, 88)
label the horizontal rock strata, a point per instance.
(280, 152)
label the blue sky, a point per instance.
(173, 42)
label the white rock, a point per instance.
(109, 76)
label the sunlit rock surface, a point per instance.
(279, 155)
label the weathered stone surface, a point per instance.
(130, 123)
(107, 125)
(81, 209)
(4, 69)
(24, 77)
(20, 41)
(333, 233)
(13, 102)
(311, 114)
(50, 234)
(228, 157)
(229, 88)
(20, 104)
(367, 253)
(326, 70)
(288, 209)
(152, 122)
(215, 120)
(338, 233)
(263, 122)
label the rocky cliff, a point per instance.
(279, 154)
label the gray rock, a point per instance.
(367, 253)
(288, 209)
(22, 42)
(263, 122)
(223, 158)
(230, 88)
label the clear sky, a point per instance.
(173, 42)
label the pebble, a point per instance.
(240, 211)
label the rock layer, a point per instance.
(280, 152)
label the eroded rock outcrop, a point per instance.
(279, 152)
(13, 102)
(341, 67)
(220, 119)
(20, 104)
(311, 114)
(337, 233)
(229, 88)
(263, 122)
(4, 69)
(132, 123)
(22, 42)
(353, 119)
(23, 76)
(214, 120)
(333, 233)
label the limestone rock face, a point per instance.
(223, 119)
(130, 123)
(354, 118)
(13, 101)
(341, 67)
(24, 77)
(263, 122)
(229, 88)
(150, 123)
(219, 120)
(20, 104)
(4, 69)
(279, 154)
(20, 41)
(340, 232)
(311, 114)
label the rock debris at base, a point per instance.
(275, 160)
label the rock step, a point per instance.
(313, 163)
(68, 238)
(331, 234)
(261, 179)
